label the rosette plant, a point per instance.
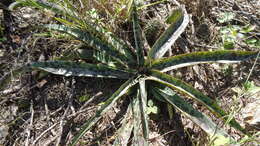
(144, 70)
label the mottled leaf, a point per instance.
(179, 21)
(91, 40)
(91, 55)
(139, 44)
(223, 56)
(186, 89)
(138, 133)
(219, 135)
(68, 11)
(67, 68)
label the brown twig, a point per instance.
(62, 122)
(44, 132)
(28, 130)
(70, 106)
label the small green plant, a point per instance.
(249, 88)
(151, 108)
(113, 58)
(225, 17)
(235, 34)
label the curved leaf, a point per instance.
(70, 12)
(139, 44)
(223, 56)
(105, 107)
(179, 20)
(91, 40)
(66, 68)
(192, 92)
(219, 135)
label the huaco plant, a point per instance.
(144, 74)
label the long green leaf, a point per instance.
(143, 104)
(64, 8)
(69, 11)
(39, 4)
(54, 7)
(223, 56)
(124, 132)
(138, 131)
(91, 55)
(91, 40)
(179, 20)
(114, 41)
(152, 85)
(216, 133)
(66, 68)
(185, 88)
(139, 44)
(105, 107)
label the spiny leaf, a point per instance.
(219, 135)
(179, 20)
(70, 12)
(223, 56)
(66, 68)
(90, 40)
(185, 88)
(105, 107)
(139, 44)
